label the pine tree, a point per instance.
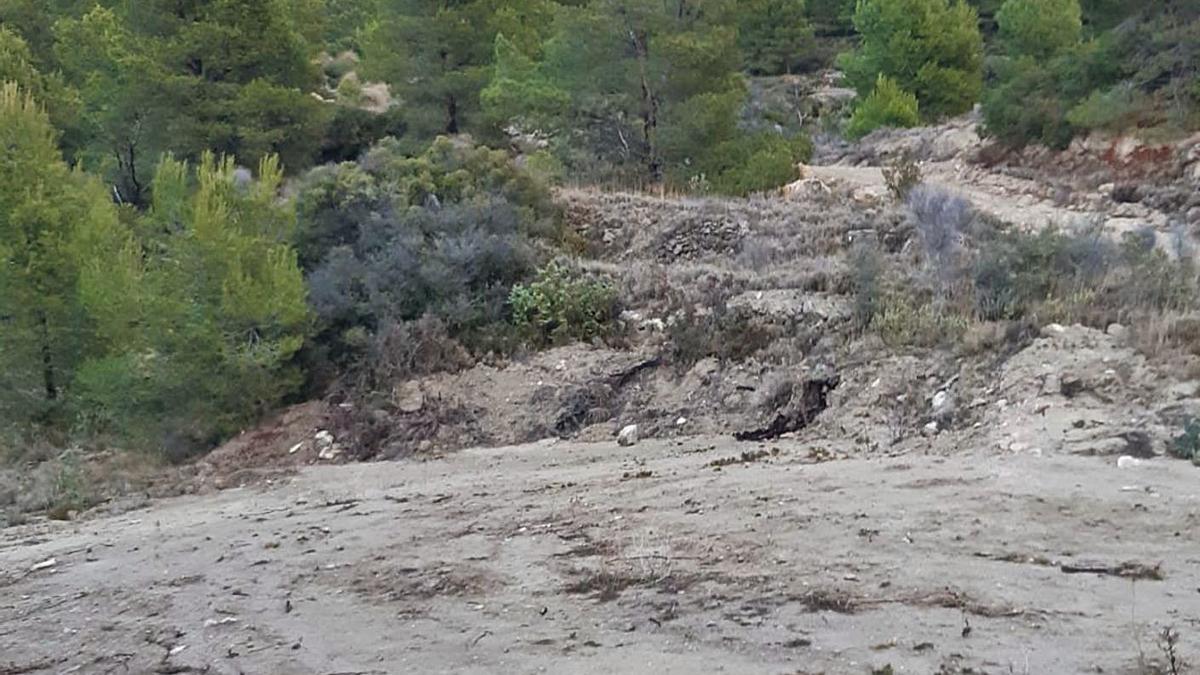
(773, 35)
(615, 72)
(57, 231)
(437, 56)
(229, 76)
(1040, 28)
(932, 48)
(220, 308)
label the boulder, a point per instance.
(628, 436)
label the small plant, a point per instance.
(887, 106)
(1187, 444)
(907, 321)
(866, 265)
(562, 304)
(902, 175)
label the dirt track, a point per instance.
(574, 558)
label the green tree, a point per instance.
(639, 89)
(931, 48)
(345, 19)
(229, 76)
(773, 34)
(1039, 28)
(57, 229)
(61, 101)
(220, 310)
(437, 56)
(34, 21)
(832, 18)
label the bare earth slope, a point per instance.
(588, 558)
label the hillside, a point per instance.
(1005, 503)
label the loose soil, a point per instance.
(568, 557)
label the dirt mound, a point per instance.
(1084, 391)
(284, 442)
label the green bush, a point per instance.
(562, 304)
(1026, 106)
(1117, 108)
(887, 106)
(1187, 444)
(903, 319)
(758, 162)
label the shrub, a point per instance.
(759, 162)
(902, 175)
(393, 238)
(887, 106)
(562, 304)
(943, 221)
(352, 131)
(905, 320)
(1025, 106)
(866, 265)
(725, 333)
(1187, 444)
(1116, 108)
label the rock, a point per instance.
(1126, 462)
(939, 400)
(1071, 386)
(1138, 444)
(409, 398)
(45, 564)
(295, 448)
(1117, 332)
(327, 447)
(682, 421)
(931, 429)
(628, 436)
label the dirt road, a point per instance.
(575, 558)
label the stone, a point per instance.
(1117, 331)
(327, 447)
(409, 398)
(1126, 462)
(628, 436)
(940, 399)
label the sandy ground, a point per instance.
(589, 558)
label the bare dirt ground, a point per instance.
(669, 557)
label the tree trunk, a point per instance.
(649, 107)
(49, 377)
(451, 115)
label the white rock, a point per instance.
(932, 428)
(45, 564)
(1126, 461)
(940, 399)
(628, 436)
(295, 448)
(681, 421)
